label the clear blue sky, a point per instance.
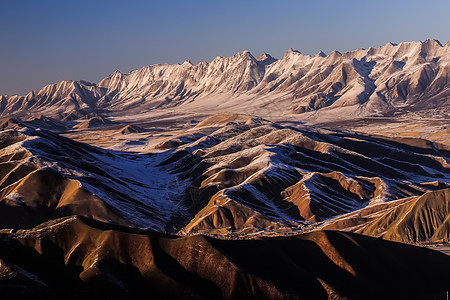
(46, 41)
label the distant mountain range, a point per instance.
(410, 76)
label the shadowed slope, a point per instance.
(81, 257)
(44, 195)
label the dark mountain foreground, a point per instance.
(78, 258)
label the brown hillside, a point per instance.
(78, 257)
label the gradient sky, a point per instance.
(46, 41)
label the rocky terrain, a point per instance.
(246, 176)
(301, 177)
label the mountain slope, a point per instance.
(228, 175)
(81, 258)
(45, 176)
(419, 219)
(265, 177)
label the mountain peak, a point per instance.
(293, 51)
(266, 59)
(240, 55)
(263, 56)
(245, 56)
(432, 42)
(335, 54)
(320, 54)
(246, 53)
(115, 74)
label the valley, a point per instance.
(195, 181)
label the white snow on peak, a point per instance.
(376, 80)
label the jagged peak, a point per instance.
(428, 43)
(432, 42)
(446, 46)
(370, 50)
(240, 56)
(264, 56)
(146, 69)
(391, 44)
(320, 54)
(335, 53)
(247, 54)
(78, 83)
(266, 59)
(116, 73)
(58, 84)
(86, 83)
(293, 51)
(429, 48)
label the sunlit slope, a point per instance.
(413, 220)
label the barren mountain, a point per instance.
(229, 175)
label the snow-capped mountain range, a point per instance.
(404, 77)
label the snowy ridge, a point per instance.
(408, 76)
